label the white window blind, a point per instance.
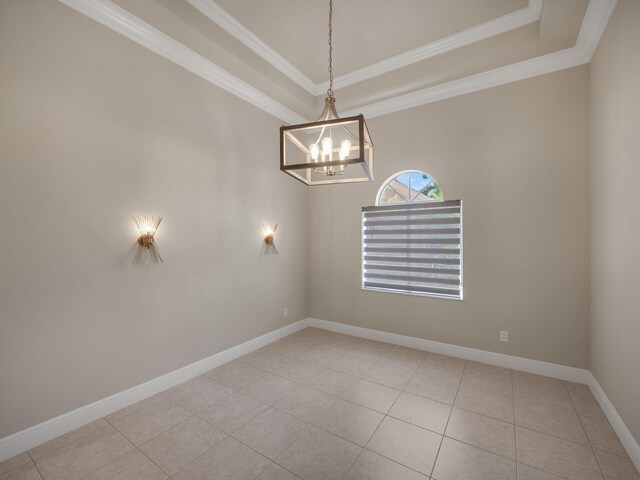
(413, 248)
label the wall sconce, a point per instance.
(147, 227)
(269, 231)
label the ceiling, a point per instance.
(364, 31)
(388, 56)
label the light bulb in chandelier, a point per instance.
(345, 148)
(314, 151)
(327, 146)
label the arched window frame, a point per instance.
(388, 183)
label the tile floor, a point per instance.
(324, 406)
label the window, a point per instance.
(412, 239)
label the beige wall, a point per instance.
(518, 157)
(615, 224)
(94, 129)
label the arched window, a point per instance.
(412, 239)
(409, 186)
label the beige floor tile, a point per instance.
(372, 351)
(323, 355)
(294, 348)
(132, 465)
(235, 374)
(73, 435)
(490, 404)
(555, 455)
(232, 412)
(615, 467)
(353, 364)
(145, 424)
(319, 455)
(483, 432)
(350, 421)
(271, 432)
(551, 417)
(180, 445)
(276, 472)
(82, 456)
(391, 373)
(409, 356)
(528, 384)
(526, 472)
(306, 403)
(421, 411)
(26, 471)
(441, 365)
(458, 461)
(577, 387)
(197, 393)
(332, 382)
(268, 361)
(488, 379)
(411, 446)
(298, 370)
(371, 466)
(372, 395)
(270, 388)
(229, 460)
(156, 400)
(602, 436)
(14, 462)
(586, 404)
(436, 387)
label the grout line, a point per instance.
(435, 460)
(34, 465)
(583, 429)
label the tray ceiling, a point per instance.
(388, 56)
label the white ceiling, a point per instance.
(388, 56)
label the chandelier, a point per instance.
(331, 149)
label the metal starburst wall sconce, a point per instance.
(269, 232)
(147, 227)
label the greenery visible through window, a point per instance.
(409, 186)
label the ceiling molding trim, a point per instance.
(503, 24)
(593, 26)
(121, 21)
(552, 62)
(221, 17)
(491, 28)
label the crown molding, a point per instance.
(219, 16)
(497, 26)
(491, 28)
(128, 25)
(121, 21)
(593, 26)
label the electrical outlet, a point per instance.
(504, 336)
(285, 312)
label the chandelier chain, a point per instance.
(330, 90)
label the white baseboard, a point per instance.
(499, 359)
(628, 441)
(45, 431)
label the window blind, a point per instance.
(413, 248)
